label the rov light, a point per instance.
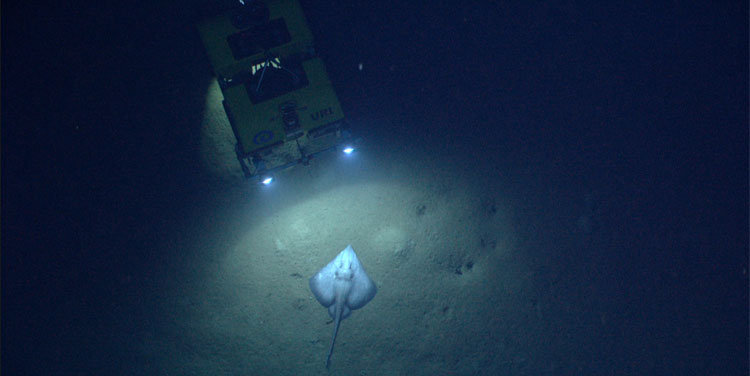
(267, 180)
(348, 150)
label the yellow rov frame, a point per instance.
(277, 95)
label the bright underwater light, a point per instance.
(267, 180)
(348, 150)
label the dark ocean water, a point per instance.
(639, 110)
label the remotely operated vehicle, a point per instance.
(277, 95)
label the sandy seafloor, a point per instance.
(467, 280)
